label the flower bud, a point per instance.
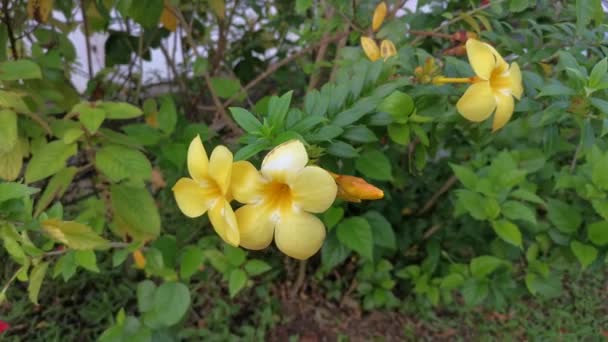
(387, 49)
(355, 189)
(370, 48)
(140, 259)
(379, 15)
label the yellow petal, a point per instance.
(504, 110)
(192, 198)
(379, 15)
(168, 18)
(247, 183)
(224, 222)
(387, 49)
(285, 161)
(477, 103)
(313, 189)
(198, 162)
(517, 88)
(481, 58)
(299, 235)
(255, 226)
(501, 65)
(220, 167)
(370, 48)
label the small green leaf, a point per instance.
(356, 234)
(145, 295)
(374, 165)
(171, 302)
(597, 233)
(120, 110)
(565, 217)
(508, 232)
(167, 115)
(120, 162)
(465, 175)
(399, 105)
(246, 120)
(36, 278)
(8, 130)
(483, 265)
(585, 254)
(75, 235)
(382, 230)
(90, 116)
(10, 191)
(278, 108)
(514, 210)
(135, 212)
(48, 160)
(21, 69)
(234, 255)
(237, 281)
(87, 260)
(256, 267)
(192, 260)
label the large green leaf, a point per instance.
(565, 217)
(119, 162)
(586, 254)
(508, 232)
(48, 160)
(374, 165)
(135, 212)
(73, 234)
(171, 301)
(22, 69)
(10, 191)
(356, 234)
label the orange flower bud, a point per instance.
(370, 48)
(387, 49)
(355, 189)
(379, 15)
(140, 259)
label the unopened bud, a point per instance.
(355, 189)
(140, 259)
(379, 15)
(387, 49)
(370, 48)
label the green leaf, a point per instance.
(360, 134)
(550, 287)
(356, 234)
(48, 160)
(483, 265)
(585, 254)
(508, 232)
(278, 108)
(451, 281)
(146, 13)
(332, 216)
(566, 218)
(21, 69)
(600, 104)
(217, 260)
(36, 278)
(167, 115)
(477, 205)
(302, 6)
(327, 132)
(518, 5)
(120, 110)
(55, 188)
(237, 281)
(601, 207)
(119, 256)
(587, 10)
(256, 267)
(145, 295)
(599, 172)
(598, 72)
(465, 175)
(514, 210)
(475, 292)
(87, 260)
(90, 116)
(192, 260)
(135, 212)
(8, 130)
(555, 88)
(526, 195)
(598, 233)
(342, 150)
(246, 120)
(171, 302)
(252, 149)
(226, 87)
(374, 165)
(399, 133)
(119, 162)
(234, 255)
(382, 230)
(10, 191)
(73, 234)
(399, 105)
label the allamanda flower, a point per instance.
(279, 200)
(209, 189)
(492, 89)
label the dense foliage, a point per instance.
(431, 207)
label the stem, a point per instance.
(431, 34)
(444, 188)
(444, 80)
(87, 41)
(116, 245)
(574, 157)
(9, 29)
(10, 281)
(300, 279)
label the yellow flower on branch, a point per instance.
(280, 199)
(354, 189)
(370, 48)
(387, 49)
(379, 15)
(492, 89)
(209, 189)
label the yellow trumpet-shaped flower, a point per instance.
(280, 199)
(387, 49)
(379, 15)
(370, 48)
(209, 189)
(492, 89)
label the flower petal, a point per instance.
(198, 162)
(224, 222)
(299, 235)
(314, 189)
(247, 183)
(504, 110)
(285, 161)
(387, 49)
(192, 198)
(517, 88)
(477, 103)
(481, 58)
(220, 167)
(255, 226)
(370, 48)
(501, 65)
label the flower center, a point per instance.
(210, 188)
(278, 196)
(500, 80)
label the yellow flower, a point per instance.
(279, 200)
(140, 259)
(168, 19)
(355, 189)
(493, 88)
(379, 15)
(387, 49)
(209, 189)
(370, 48)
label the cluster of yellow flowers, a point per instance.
(278, 201)
(492, 88)
(369, 45)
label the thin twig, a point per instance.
(87, 38)
(575, 156)
(300, 279)
(117, 245)
(316, 74)
(9, 29)
(40, 122)
(444, 188)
